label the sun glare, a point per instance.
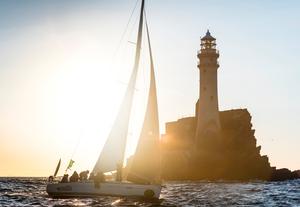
(80, 99)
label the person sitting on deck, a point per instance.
(74, 177)
(99, 178)
(65, 178)
(50, 178)
(83, 175)
(119, 173)
(92, 176)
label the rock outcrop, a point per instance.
(235, 156)
(284, 174)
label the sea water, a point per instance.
(32, 192)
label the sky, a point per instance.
(64, 67)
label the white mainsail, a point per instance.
(145, 167)
(113, 151)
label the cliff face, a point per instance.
(234, 156)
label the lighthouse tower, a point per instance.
(208, 121)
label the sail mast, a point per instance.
(136, 66)
(139, 38)
(113, 151)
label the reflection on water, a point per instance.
(31, 192)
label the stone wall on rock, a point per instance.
(235, 156)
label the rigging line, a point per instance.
(130, 34)
(75, 149)
(77, 144)
(125, 30)
(133, 27)
(131, 42)
(130, 31)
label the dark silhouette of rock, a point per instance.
(235, 156)
(283, 174)
(297, 173)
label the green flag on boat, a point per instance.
(70, 164)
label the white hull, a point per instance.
(87, 189)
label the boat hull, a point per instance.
(89, 189)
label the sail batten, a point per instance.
(113, 151)
(145, 167)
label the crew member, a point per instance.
(99, 178)
(65, 178)
(92, 176)
(74, 177)
(50, 179)
(83, 175)
(119, 173)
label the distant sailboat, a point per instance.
(143, 178)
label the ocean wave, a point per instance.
(32, 192)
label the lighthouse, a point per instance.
(208, 121)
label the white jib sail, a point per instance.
(113, 151)
(145, 167)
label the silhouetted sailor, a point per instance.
(99, 177)
(119, 173)
(65, 178)
(92, 176)
(50, 178)
(74, 177)
(83, 175)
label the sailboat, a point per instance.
(143, 177)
